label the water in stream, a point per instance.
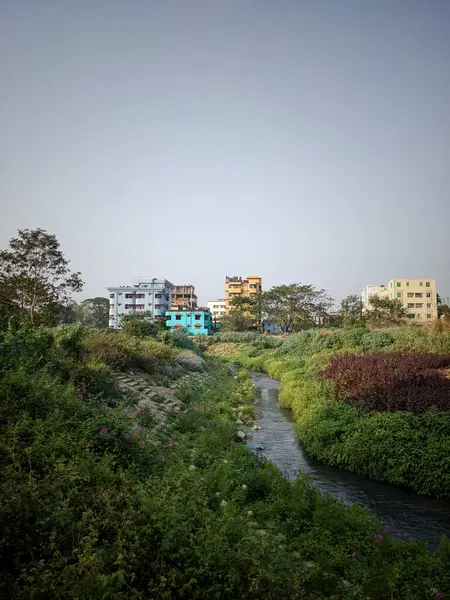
(409, 515)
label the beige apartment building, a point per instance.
(236, 286)
(418, 296)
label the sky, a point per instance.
(300, 140)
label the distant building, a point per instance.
(195, 322)
(154, 295)
(271, 327)
(371, 290)
(418, 296)
(183, 296)
(217, 308)
(236, 286)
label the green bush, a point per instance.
(93, 509)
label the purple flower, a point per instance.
(141, 444)
(269, 473)
(439, 595)
(162, 457)
(353, 555)
(166, 443)
(104, 430)
(141, 411)
(229, 454)
(171, 442)
(309, 470)
(379, 537)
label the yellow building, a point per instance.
(236, 286)
(418, 296)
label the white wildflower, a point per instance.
(223, 503)
(192, 468)
(244, 487)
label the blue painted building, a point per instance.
(270, 327)
(194, 322)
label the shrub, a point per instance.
(391, 381)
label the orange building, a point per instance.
(236, 286)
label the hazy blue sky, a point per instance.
(302, 140)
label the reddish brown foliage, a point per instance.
(388, 382)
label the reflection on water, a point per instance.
(408, 515)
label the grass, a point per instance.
(92, 510)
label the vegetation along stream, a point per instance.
(406, 514)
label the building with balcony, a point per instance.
(217, 309)
(195, 322)
(236, 286)
(183, 296)
(154, 295)
(418, 296)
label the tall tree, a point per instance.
(352, 310)
(95, 311)
(243, 316)
(295, 306)
(384, 312)
(34, 274)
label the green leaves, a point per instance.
(34, 274)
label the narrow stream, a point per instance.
(408, 515)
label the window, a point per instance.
(410, 305)
(178, 317)
(111, 295)
(399, 284)
(428, 305)
(410, 295)
(129, 306)
(129, 295)
(197, 317)
(411, 316)
(158, 306)
(399, 294)
(420, 305)
(139, 306)
(428, 316)
(427, 284)
(420, 283)
(418, 295)
(428, 294)
(417, 316)
(407, 284)
(158, 296)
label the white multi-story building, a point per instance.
(371, 290)
(154, 295)
(217, 308)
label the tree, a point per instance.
(141, 324)
(295, 306)
(384, 311)
(243, 315)
(352, 310)
(95, 311)
(34, 274)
